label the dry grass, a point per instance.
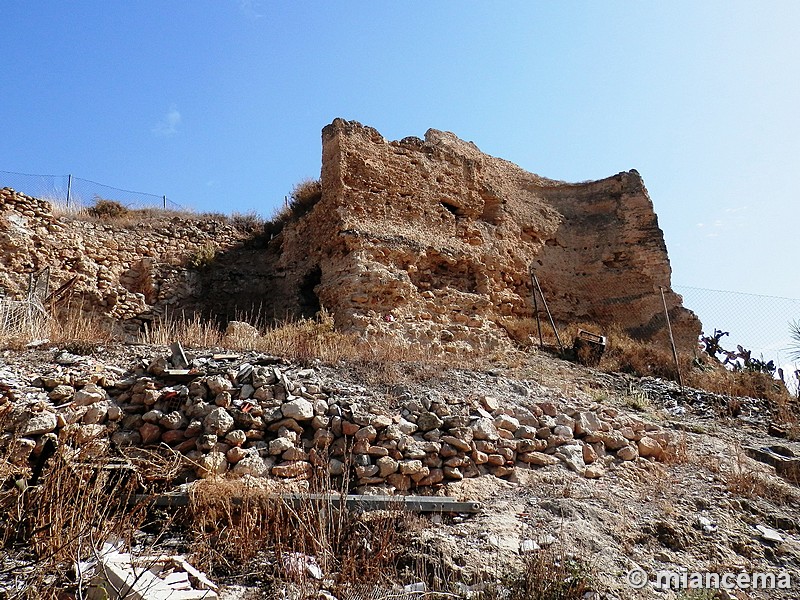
(203, 257)
(305, 195)
(250, 223)
(737, 383)
(70, 325)
(677, 452)
(65, 519)
(233, 522)
(549, 574)
(191, 331)
(625, 354)
(383, 361)
(107, 210)
(118, 214)
(746, 478)
(301, 339)
(60, 208)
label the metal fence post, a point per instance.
(165, 202)
(69, 188)
(671, 339)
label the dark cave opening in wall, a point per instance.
(309, 301)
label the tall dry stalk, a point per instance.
(192, 332)
(233, 521)
(64, 520)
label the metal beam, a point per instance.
(356, 502)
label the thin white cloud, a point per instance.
(251, 8)
(733, 218)
(169, 123)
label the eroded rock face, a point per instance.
(432, 240)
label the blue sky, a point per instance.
(219, 104)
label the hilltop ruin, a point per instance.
(428, 241)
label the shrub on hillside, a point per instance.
(251, 222)
(304, 196)
(107, 209)
(202, 257)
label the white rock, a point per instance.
(252, 465)
(706, 524)
(572, 455)
(213, 463)
(173, 420)
(769, 535)
(506, 422)
(96, 413)
(562, 431)
(586, 422)
(298, 409)
(218, 384)
(241, 330)
(484, 429)
(280, 445)
(39, 423)
(89, 395)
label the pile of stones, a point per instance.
(262, 417)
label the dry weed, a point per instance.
(192, 332)
(720, 380)
(69, 324)
(677, 452)
(304, 196)
(232, 522)
(550, 574)
(107, 210)
(745, 477)
(65, 519)
(73, 324)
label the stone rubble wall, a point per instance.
(266, 418)
(123, 271)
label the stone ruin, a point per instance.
(427, 241)
(441, 237)
(258, 416)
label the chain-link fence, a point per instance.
(68, 191)
(26, 316)
(760, 324)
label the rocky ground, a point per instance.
(604, 471)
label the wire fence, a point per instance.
(758, 323)
(75, 192)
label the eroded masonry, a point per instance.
(429, 241)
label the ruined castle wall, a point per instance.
(122, 270)
(428, 241)
(435, 239)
